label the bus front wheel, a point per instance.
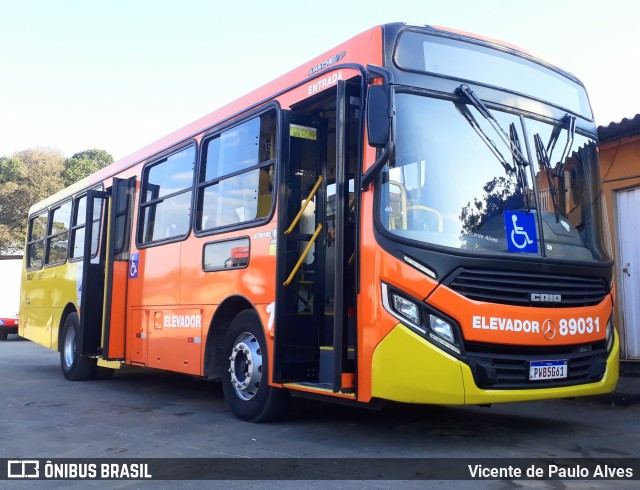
(245, 382)
(75, 367)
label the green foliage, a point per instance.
(500, 194)
(29, 176)
(83, 164)
(11, 169)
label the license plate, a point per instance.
(540, 370)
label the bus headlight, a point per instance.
(406, 308)
(441, 331)
(441, 328)
(422, 319)
(610, 336)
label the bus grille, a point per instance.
(507, 367)
(516, 288)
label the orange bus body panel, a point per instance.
(516, 325)
(373, 321)
(137, 322)
(117, 314)
(175, 339)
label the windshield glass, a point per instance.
(574, 226)
(447, 185)
(468, 61)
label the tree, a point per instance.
(500, 193)
(25, 178)
(11, 169)
(31, 175)
(83, 164)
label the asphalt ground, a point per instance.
(143, 413)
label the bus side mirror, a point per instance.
(378, 119)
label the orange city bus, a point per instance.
(414, 216)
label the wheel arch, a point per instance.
(214, 357)
(68, 309)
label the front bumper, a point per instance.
(407, 368)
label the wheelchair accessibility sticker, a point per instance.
(134, 260)
(521, 231)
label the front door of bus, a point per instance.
(315, 242)
(105, 277)
(300, 292)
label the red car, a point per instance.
(8, 324)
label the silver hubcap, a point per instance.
(69, 347)
(246, 366)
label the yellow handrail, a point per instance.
(304, 255)
(403, 205)
(304, 206)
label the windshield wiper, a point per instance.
(508, 140)
(543, 159)
(521, 169)
(488, 141)
(544, 156)
(511, 140)
(568, 123)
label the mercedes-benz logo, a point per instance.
(549, 329)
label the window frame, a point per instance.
(164, 156)
(200, 186)
(74, 227)
(123, 253)
(50, 235)
(231, 239)
(32, 218)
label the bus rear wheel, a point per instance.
(3, 334)
(75, 367)
(245, 382)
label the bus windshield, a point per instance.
(453, 182)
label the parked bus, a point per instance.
(10, 274)
(414, 216)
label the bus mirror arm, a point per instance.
(377, 165)
(380, 117)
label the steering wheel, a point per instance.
(425, 209)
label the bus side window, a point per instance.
(35, 241)
(78, 227)
(235, 182)
(166, 197)
(58, 238)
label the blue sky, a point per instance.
(118, 75)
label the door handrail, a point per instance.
(304, 206)
(403, 206)
(304, 255)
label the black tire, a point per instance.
(3, 334)
(75, 367)
(244, 379)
